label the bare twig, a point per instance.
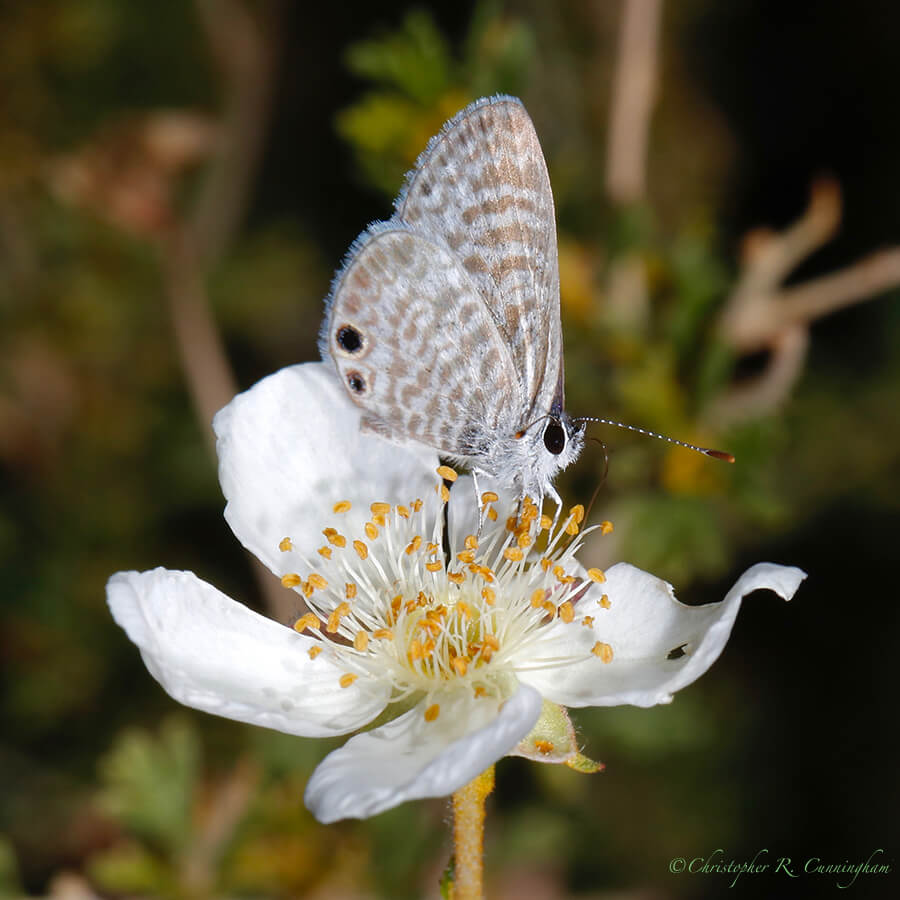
(633, 95)
(762, 315)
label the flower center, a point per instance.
(397, 600)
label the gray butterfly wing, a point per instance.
(482, 187)
(416, 347)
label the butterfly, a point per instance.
(444, 321)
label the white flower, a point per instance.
(447, 643)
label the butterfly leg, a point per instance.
(553, 494)
(482, 506)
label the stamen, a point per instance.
(513, 554)
(566, 612)
(604, 601)
(285, 545)
(460, 665)
(489, 497)
(362, 551)
(350, 590)
(414, 545)
(308, 620)
(347, 680)
(546, 523)
(383, 634)
(342, 507)
(434, 566)
(538, 597)
(403, 512)
(334, 619)
(596, 575)
(606, 527)
(371, 531)
(380, 509)
(447, 473)
(445, 493)
(587, 621)
(360, 641)
(604, 651)
(488, 595)
(456, 577)
(317, 581)
(314, 652)
(432, 712)
(325, 551)
(291, 580)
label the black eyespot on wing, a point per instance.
(349, 339)
(356, 381)
(555, 438)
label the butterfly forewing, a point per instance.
(482, 187)
(401, 301)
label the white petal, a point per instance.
(291, 447)
(214, 654)
(644, 625)
(410, 758)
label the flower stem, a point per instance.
(468, 836)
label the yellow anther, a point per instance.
(461, 665)
(416, 505)
(483, 571)
(403, 512)
(596, 575)
(567, 612)
(546, 522)
(285, 545)
(488, 595)
(549, 608)
(604, 651)
(604, 601)
(380, 520)
(565, 579)
(456, 577)
(606, 527)
(431, 549)
(491, 641)
(432, 712)
(337, 539)
(350, 590)
(291, 580)
(334, 619)
(487, 652)
(492, 514)
(524, 540)
(466, 556)
(396, 603)
(447, 473)
(546, 562)
(342, 507)
(308, 620)
(360, 641)
(414, 545)
(383, 634)
(380, 509)
(445, 493)
(489, 497)
(362, 551)
(325, 551)
(512, 523)
(571, 527)
(463, 610)
(559, 571)
(307, 589)
(318, 582)
(577, 513)
(538, 597)
(347, 680)
(434, 566)
(371, 531)
(471, 542)
(480, 691)
(314, 652)
(416, 650)
(514, 554)
(587, 621)
(543, 747)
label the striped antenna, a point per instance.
(706, 451)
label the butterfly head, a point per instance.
(545, 449)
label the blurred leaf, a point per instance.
(150, 782)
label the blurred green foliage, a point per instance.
(103, 464)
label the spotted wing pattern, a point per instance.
(482, 187)
(416, 346)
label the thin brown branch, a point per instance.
(633, 95)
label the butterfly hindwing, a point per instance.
(400, 302)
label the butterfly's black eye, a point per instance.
(349, 339)
(555, 438)
(356, 381)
